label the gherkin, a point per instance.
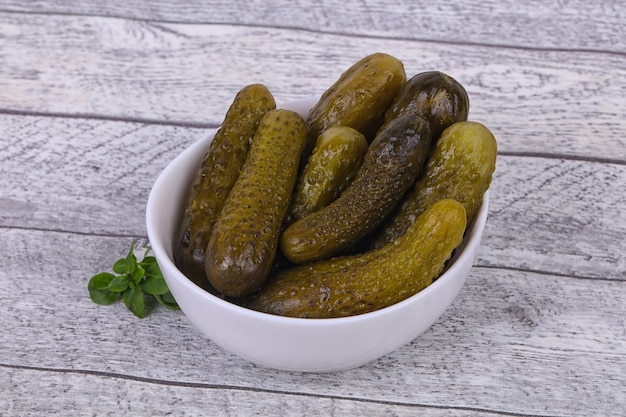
(334, 163)
(392, 163)
(460, 166)
(436, 97)
(216, 176)
(359, 98)
(244, 241)
(357, 284)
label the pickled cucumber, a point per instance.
(436, 97)
(460, 167)
(392, 163)
(335, 160)
(216, 176)
(358, 284)
(359, 98)
(245, 236)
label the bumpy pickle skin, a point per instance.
(359, 98)
(436, 97)
(332, 166)
(216, 176)
(357, 284)
(392, 163)
(461, 166)
(244, 240)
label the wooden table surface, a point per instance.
(96, 98)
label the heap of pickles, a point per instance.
(354, 208)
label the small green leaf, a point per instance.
(118, 284)
(120, 266)
(131, 264)
(152, 270)
(104, 297)
(98, 289)
(139, 305)
(100, 281)
(154, 285)
(135, 280)
(137, 275)
(126, 265)
(149, 262)
(134, 301)
(167, 300)
(128, 296)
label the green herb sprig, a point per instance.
(132, 281)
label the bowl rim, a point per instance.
(467, 249)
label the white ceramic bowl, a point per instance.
(310, 345)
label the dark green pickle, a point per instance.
(216, 176)
(434, 96)
(392, 163)
(244, 241)
(460, 166)
(357, 284)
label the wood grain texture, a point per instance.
(97, 97)
(110, 395)
(530, 23)
(81, 175)
(509, 335)
(94, 177)
(573, 213)
(161, 72)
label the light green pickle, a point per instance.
(460, 167)
(334, 163)
(359, 98)
(357, 284)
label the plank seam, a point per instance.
(332, 33)
(76, 232)
(140, 120)
(550, 273)
(200, 385)
(145, 238)
(208, 126)
(546, 155)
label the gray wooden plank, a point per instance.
(52, 393)
(563, 103)
(537, 330)
(557, 215)
(509, 336)
(92, 174)
(564, 25)
(93, 177)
